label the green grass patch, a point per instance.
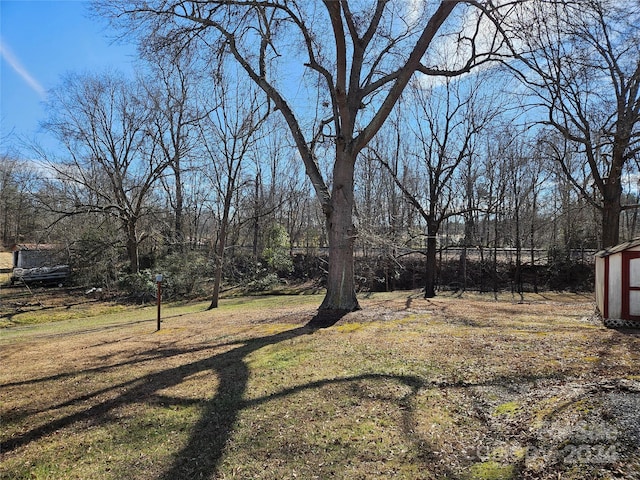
(491, 471)
(61, 314)
(349, 327)
(279, 357)
(270, 301)
(509, 408)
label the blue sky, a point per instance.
(40, 41)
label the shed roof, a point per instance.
(618, 248)
(35, 246)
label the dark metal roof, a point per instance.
(618, 248)
(35, 246)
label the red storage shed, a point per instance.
(618, 284)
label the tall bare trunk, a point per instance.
(341, 292)
(132, 247)
(220, 247)
(611, 210)
(178, 236)
(430, 271)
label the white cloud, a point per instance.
(15, 64)
(414, 11)
(451, 49)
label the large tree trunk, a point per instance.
(341, 292)
(611, 191)
(430, 271)
(178, 235)
(132, 247)
(611, 221)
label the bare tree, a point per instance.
(469, 178)
(112, 166)
(227, 135)
(538, 174)
(576, 219)
(519, 186)
(579, 60)
(17, 210)
(276, 177)
(446, 121)
(493, 203)
(387, 224)
(173, 119)
(358, 59)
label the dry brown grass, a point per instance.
(6, 260)
(407, 388)
(6, 264)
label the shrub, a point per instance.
(140, 286)
(184, 273)
(263, 283)
(276, 251)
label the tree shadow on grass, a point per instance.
(209, 435)
(201, 455)
(229, 366)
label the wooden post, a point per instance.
(159, 296)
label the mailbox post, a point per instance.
(159, 296)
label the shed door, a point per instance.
(631, 285)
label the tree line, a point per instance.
(256, 129)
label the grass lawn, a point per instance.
(407, 388)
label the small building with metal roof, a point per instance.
(39, 263)
(618, 284)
